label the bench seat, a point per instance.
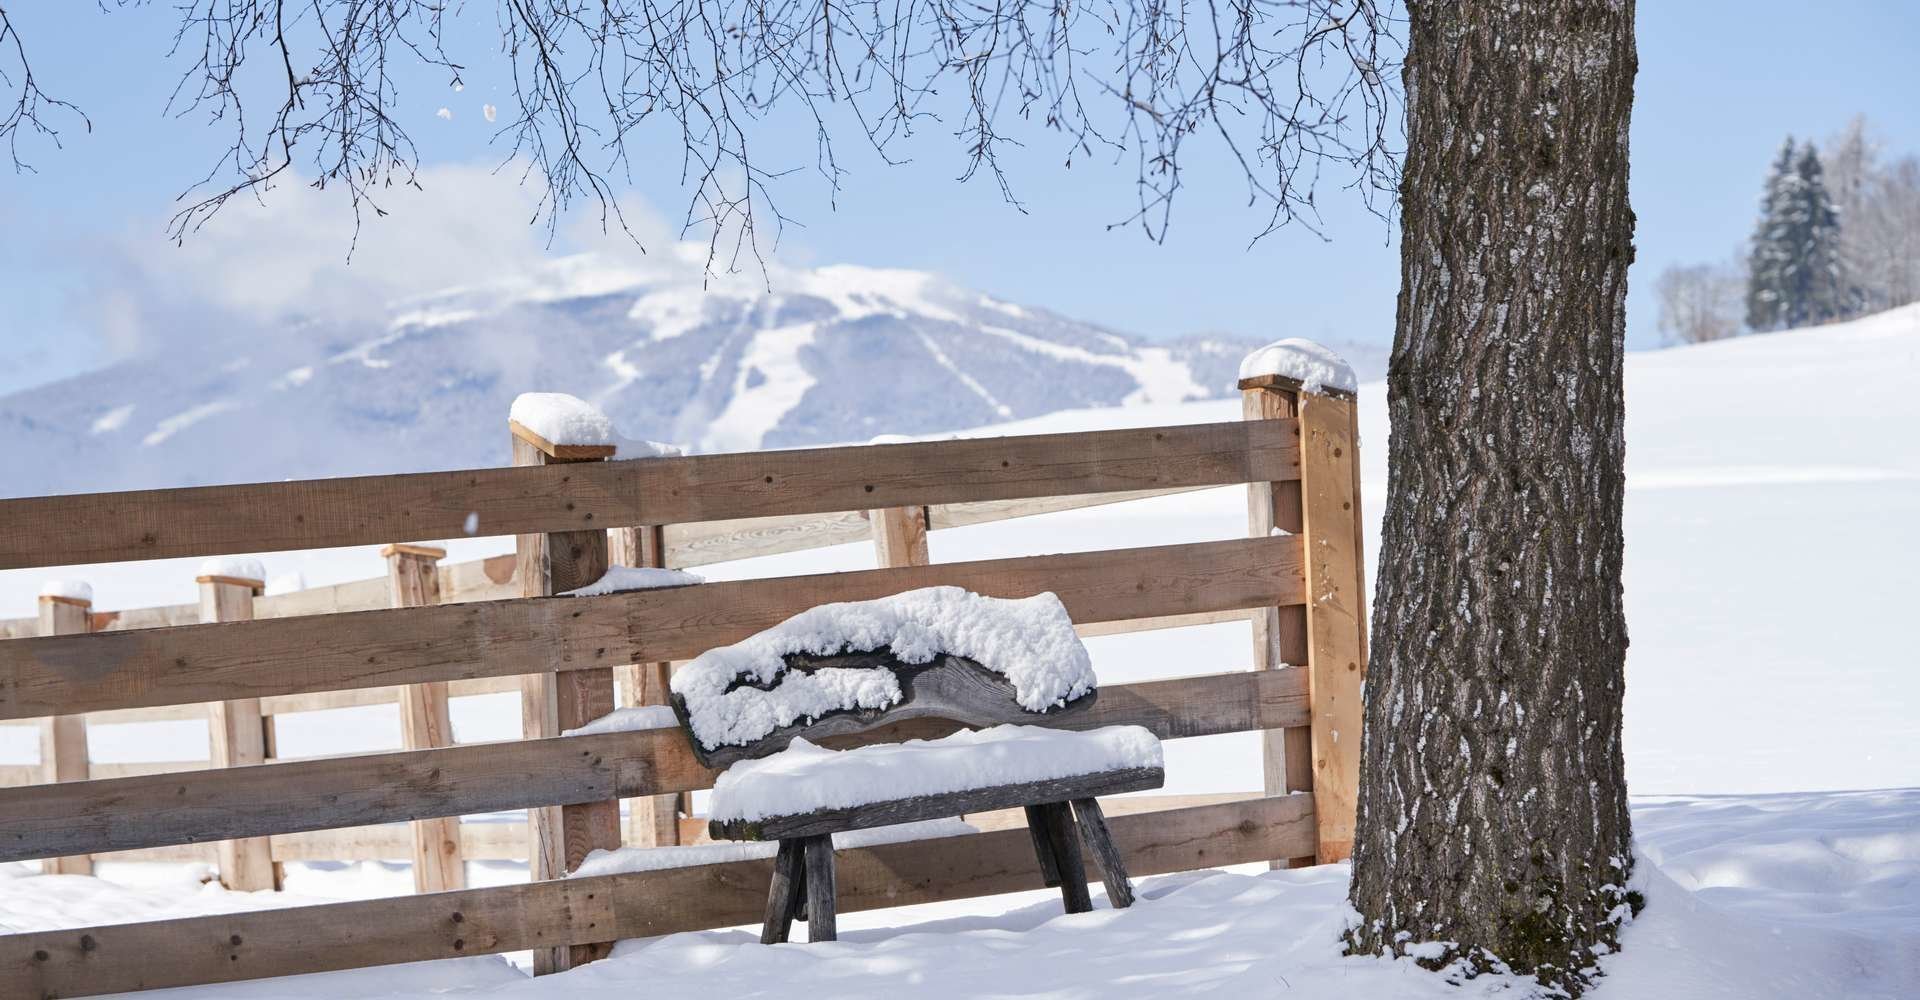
(806, 790)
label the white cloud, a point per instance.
(278, 261)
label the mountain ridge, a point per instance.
(833, 354)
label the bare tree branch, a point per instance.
(31, 111)
(1289, 87)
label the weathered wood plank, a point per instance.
(1131, 625)
(507, 841)
(783, 893)
(322, 793)
(229, 947)
(1336, 614)
(237, 737)
(1042, 848)
(41, 676)
(1106, 854)
(385, 842)
(413, 576)
(822, 905)
(1124, 805)
(264, 517)
(652, 821)
(63, 738)
(1063, 840)
(551, 703)
(1279, 633)
(924, 807)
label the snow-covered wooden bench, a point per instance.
(758, 708)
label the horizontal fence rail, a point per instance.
(323, 513)
(93, 960)
(86, 817)
(688, 546)
(52, 675)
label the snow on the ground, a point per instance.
(1808, 897)
(806, 778)
(737, 694)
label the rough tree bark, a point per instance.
(1493, 822)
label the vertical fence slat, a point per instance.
(63, 738)
(236, 736)
(899, 536)
(1280, 633)
(1336, 612)
(413, 577)
(550, 704)
(652, 821)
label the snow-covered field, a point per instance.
(1773, 519)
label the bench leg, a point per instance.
(1113, 870)
(799, 893)
(820, 888)
(1037, 828)
(1064, 841)
(782, 893)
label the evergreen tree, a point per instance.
(1795, 275)
(1767, 262)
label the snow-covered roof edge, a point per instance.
(1315, 366)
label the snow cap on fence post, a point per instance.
(1298, 364)
(243, 571)
(568, 427)
(76, 592)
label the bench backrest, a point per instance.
(946, 688)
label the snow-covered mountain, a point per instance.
(831, 354)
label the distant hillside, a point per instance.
(833, 354)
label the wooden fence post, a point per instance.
(63, 738)
(237, 735)
(560, 837)
(652, 821)
(413, 577)
(1327, 634)
(899, 536)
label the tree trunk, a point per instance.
(1493, 809)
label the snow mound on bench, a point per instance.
(653, 859)
(805, 778)
(737, 694)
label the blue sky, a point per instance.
(1720, 84)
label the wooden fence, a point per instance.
(441, 632)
